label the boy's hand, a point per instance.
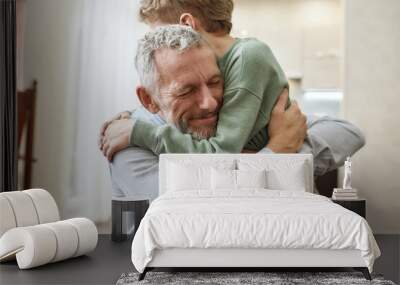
(287, 129)
(116, 137)
(119, 116)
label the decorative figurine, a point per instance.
(347, 174)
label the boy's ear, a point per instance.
(188, 19)
(147, 100)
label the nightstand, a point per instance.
(358, 206)
(119, 205)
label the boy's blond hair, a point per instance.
(215, 16)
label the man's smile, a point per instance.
(204, 121)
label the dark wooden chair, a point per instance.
(26, 101)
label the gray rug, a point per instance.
(269, 278)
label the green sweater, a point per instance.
(253, 82)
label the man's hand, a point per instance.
(287, 128)
(119, 116)
(116, 137)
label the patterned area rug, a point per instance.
(269, 278)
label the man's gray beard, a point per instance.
(203, 134)
(197, 134)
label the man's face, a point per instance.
(190, 89)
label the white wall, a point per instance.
(304, 36)
(372, 101)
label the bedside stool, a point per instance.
(358, 206)
(119, 205)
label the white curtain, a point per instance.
(82, 53)
(106, 81)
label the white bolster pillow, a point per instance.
(67, 240)
(87, 234)
(40, 244)
(45, 205)
(24, 212)
(26, 208)
(7, 220)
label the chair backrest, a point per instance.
(26, 101)
(26, 208)
(260, 160)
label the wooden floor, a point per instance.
(110, 260)
(102, 266)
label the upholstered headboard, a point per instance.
(278, 162)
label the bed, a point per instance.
(246, 210)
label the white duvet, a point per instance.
(253, 218)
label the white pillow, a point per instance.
(193, 175)
(293, 180)
(251, 178)
(183, 178)
(281, 173)
(226, 179)
(223, 179)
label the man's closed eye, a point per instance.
(186, 92)
(216, 81)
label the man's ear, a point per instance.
(188, 19)
(147, 100)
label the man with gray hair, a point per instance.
(172, 42)
(176, 37)
(173, 60)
